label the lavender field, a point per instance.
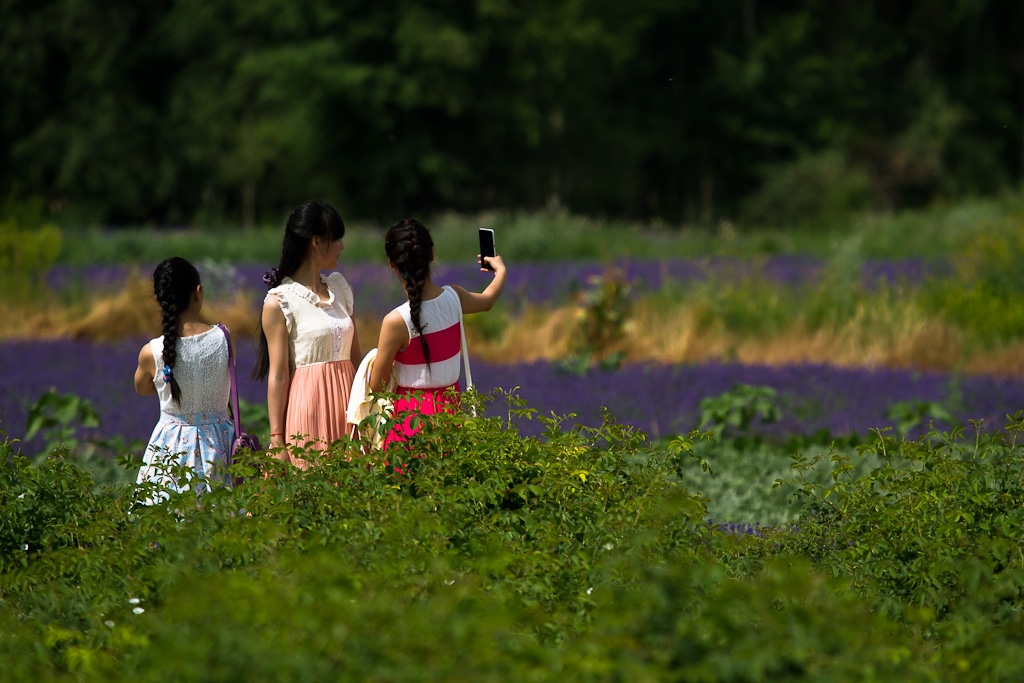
(378, 291)
(661, 400)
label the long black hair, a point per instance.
(174, 282)
(410, 250)
(316, 218)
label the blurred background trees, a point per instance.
(771, 112)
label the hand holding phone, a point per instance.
(486, 246)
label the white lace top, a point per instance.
(201, 369)
(318, 331)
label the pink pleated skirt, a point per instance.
(317, 400)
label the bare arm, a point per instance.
(473, 302)
(355, 354)
(279, 376)
(145, 373)
(394, 336)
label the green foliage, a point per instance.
(492, 326)
(985, 298)
(822, 190)
(42, 509)
(602, 314)
(554, 235)
(739, 478)
(737, 409)
(752, 305)
(911, 414)
(694, 622)
(839, 295)
(604, 311)
(59, 419)
(201, 245)
(27, 250)
(476, 553)
(942, 231)
(936, 526)
(181, 112)
(520, 527)
(254, 419)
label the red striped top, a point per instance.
(442, 331)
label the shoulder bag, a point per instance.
(242, 440)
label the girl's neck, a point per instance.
(430, 290)
(308, 275)
(189, 324)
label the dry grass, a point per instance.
(896, 338)
(1007, 362)
(538, 334)
(889, 336)
(131, 312)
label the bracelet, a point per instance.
(277, 433)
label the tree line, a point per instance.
(174, 111)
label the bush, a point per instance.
(938, 525)
(478, 554)
(26, 254)
(821, 189)
(985, 297)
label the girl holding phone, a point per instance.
(422, 338)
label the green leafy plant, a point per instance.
(474, 552)
(58, 417)
(603, 311)
(26, 253)
(59, 420)
(254, 419)
(737, 409)
(911, 414)
(936, 525)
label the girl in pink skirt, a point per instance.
(308, 336)
(422, 338)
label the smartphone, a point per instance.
(486, 246)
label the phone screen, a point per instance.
(486, 245)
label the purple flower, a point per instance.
(548, 283)
(661, 400)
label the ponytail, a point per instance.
(312, 219)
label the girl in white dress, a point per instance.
(187, 368)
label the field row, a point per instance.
(378, 291)
(662, 400)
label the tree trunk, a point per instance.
(707, 198)
(749, 20)
(249, 204)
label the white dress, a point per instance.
(196, 434)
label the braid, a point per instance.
(174, 280)
(409, 247)
(421, 268)
(170, 330)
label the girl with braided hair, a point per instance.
(187, 368)
(307, 335)
(422, 339)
